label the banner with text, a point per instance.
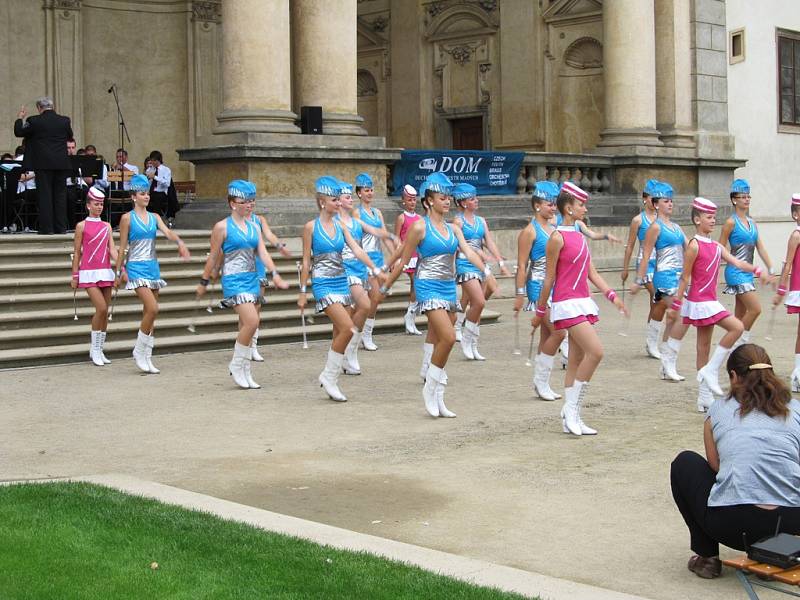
(492, 173)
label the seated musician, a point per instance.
(750, 477)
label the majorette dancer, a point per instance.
(261, 269)
(141, 273)
(568, 272)
(91, 269)
(700, 306)
(741, 232)
(436, 242)
(357, 274)
(372, 246)
(638, 230)
(476, 285)
(531, 243)
(324, 240)
(402, 224)
(790, 276)
(236, 241)
(669, 242)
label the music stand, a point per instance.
(86, 166)
(119, 194)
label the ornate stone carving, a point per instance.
(488, 5)
(486, 95)
(365, 84)
(434, 8)
(380, 24)
(63, 4)
(584, 53)
(461, 53)
(206, 10)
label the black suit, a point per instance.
(46, 138)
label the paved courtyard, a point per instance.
(499, 483)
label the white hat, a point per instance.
(95, 194)
(795, 199)
(574, 191)
(409, 190)
(704, 205)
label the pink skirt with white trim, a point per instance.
(793, 310)
(567, 323)
(712, 320)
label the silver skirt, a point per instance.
(330, 300)
(742, 288)
(153, 284)
(353, 280)
(232, 301)
(462, 277)
(436, 304)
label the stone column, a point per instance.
(326, 62)
(256, 73)
(674, 72)
(64, 59)
(629, 73)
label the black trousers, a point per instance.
(158, 203)
(76, 209)
(733, 526)
(52, 187)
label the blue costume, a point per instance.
(261, 268)
(370, 243)
(474, 235)
(356, 271)
(743, 242)
(669, 259)
(240, 282)
(435, 281)
(328, 276)
(536, 266)
(641, 234)
(142, 263)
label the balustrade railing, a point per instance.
(594, 174)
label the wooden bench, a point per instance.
(750, 573)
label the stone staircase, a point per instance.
(37, 324)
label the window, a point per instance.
(736, 46)
(789, 77)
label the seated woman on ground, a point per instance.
(750, 478)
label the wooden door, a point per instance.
(467, 133)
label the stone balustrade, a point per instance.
(593, 173)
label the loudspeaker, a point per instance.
(311, 119)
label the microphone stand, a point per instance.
(123, 129)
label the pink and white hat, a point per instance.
(795, 199)
(574, 191)
(409, 190)
(704, 205)
(95, 194)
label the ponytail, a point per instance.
(757, 388)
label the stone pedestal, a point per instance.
(326, 60)
(629, 74)
(256, 70)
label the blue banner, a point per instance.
(492, 173)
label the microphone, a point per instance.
(113, 85)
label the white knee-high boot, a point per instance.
(329, 378)
(140, 352)
(710, 372)
(429, 391)
(459, 325)
(254, 345)
(427, 353)
(350, 364)
(467, 333)
(653, 333)
(236, 367)
(796, 374)
(366, 335)
(669, 360)
(95, 350)
(443, 410)
(476, 334)
(149, 344)
(103, 343)
(542, 368)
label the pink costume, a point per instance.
(408, 220)
(701, 307)
(793, 296)
(572, 303)
(95, 266)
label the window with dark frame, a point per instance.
(789, 78)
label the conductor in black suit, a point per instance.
(46, 136)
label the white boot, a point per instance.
(329, 378)
(246, 367)
(710, 373)
(743, 339)
(350, 364)
(704, 397)
(366, 336)
(669, 360)
(476, 334)
(429, 390)
(564, 349)
(443, 410)
(569, 412)
(236, 367)
(103, 343)
(651, 346)
(94, 349)
(149, 344)
(140, 352)
(427, 352)
(411, 325)
(466, 340)
(796, 374)
(254, 345)
(542, 367)
(459, 324)
(582, 387)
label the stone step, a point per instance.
(218, 320)
(120, 349)
(128, 308)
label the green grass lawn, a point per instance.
(63, 541)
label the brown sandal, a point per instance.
(707, 568)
